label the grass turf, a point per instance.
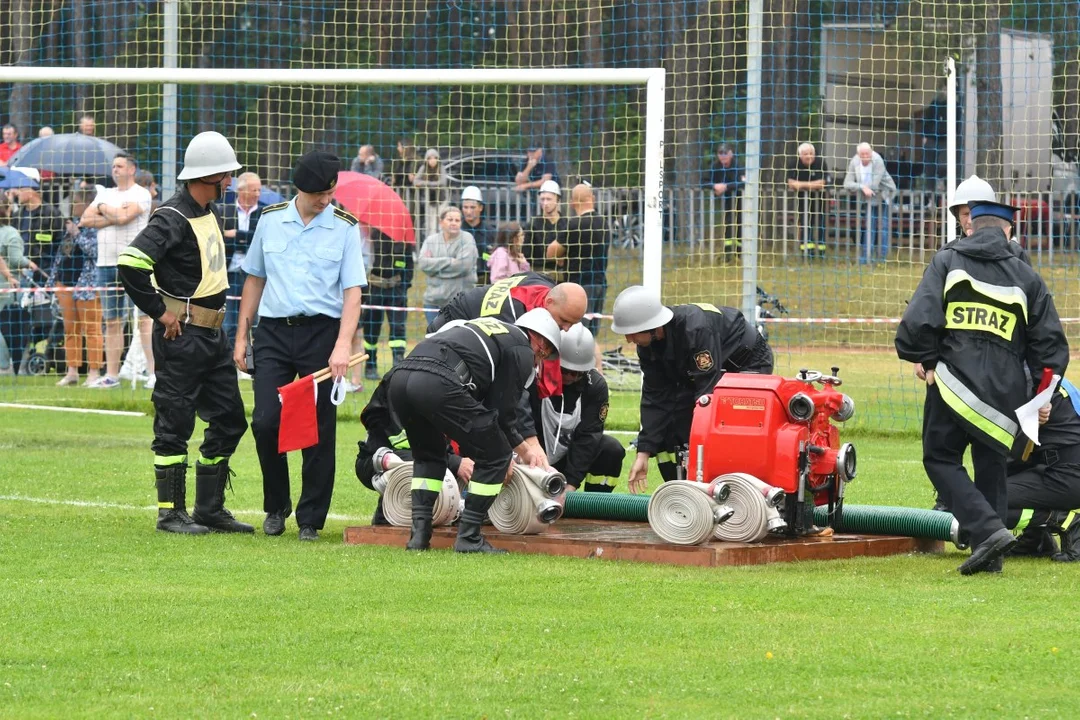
(101, 616)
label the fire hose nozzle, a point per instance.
(554, 485)
(723, 513)
(721, 491)
(548, 511)
(776, 524)
(775, 497)
(378, 483)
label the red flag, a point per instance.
(299, 427)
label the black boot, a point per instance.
(210, 483)
(1036, 540)
(469, 537)
(399, 355)
(1070, 540)
(378, 518)
(423, 505)
(371, 365)
(172, 502)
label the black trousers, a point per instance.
(608, 461)
(981, 507)
(283, 353)
(1050, 482)
(433, 407)
(371, 320)
(195, 375)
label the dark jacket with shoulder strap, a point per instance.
(978, 315)
(493, 300)
(700, 342)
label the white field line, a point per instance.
(56, 408)
(99, 505)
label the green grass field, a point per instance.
(100, 616)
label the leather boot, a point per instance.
(469, 537)
(1036, 540)
(210, 483)
(1070, 540)
(371, 365)
(423, 505)
(399, 355)
(171, 484)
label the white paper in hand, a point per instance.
(1028, 413)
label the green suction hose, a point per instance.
(866, 519)
(606, 506)
(883, 520)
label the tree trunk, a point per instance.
(988, 158)
(22, 31)
(779, 97)
(78, 50)
(594, 99)
(1069, 107)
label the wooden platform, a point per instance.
(636, 541)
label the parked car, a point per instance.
(485, 168)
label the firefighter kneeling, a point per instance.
(464, 383)
(570, 426)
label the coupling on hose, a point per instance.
(528, 503)
(686, 513)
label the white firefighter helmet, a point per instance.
(552, 187)
(208, 153)
(974, 189)
(540, 321)
(637, 309)
(472, 193)
(578, 348)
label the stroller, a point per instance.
(46, 335)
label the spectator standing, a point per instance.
(725, 180)
(536, 172)
(10, 144)
(870, 181)
(46, 131)
(432, 179)
(586, 251)
(403, 166)
(119, 214)
(145, 179)
(506, 259)
(473, 222)
(367, 162)
(388, 285)
(448, 258)
(14, 320)
(240, 218)
(544, 229)
(75, 269)
(87, 126)
(807, 178)
(305, 273)
(139, 360)
(40, 224)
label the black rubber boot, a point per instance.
(423, 505)
(172, 502)
(1037, 539)
(371, 365)
(1070, 540)
(378, 518)
(469, 537)
(210, 483)
(399, 355)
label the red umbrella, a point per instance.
(375, 203)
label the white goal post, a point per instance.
(652, 78)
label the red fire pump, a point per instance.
(780, 431)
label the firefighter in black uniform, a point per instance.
(1044, 489)
(510, 298)
(464, 383)
(683, 351)
(388, 285)
(181, 250)
(386, 439)
(571, 426)
(978, 314)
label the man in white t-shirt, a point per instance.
(119, 213)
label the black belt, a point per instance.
(1053, 456)
(294, 320)
(446, 365)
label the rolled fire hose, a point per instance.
(884, 520)
(529, 502)
(687, 513)
(397, 498)
(754, 502)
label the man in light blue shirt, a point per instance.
(305, 273)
